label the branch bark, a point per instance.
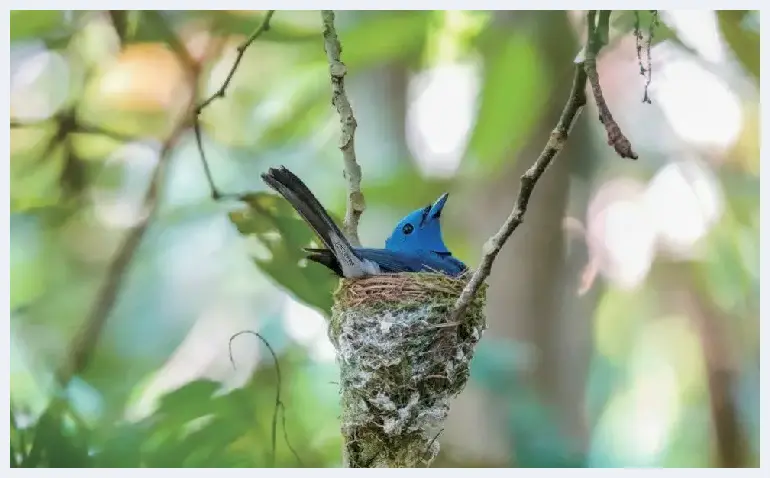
(598, 36)
(559, 135)
(337, 70)
(220, 93)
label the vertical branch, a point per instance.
(337, 70)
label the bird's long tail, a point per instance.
(288, 185)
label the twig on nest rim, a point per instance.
(597, 38)
(559, 135)
(355, 203)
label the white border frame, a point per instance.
(391, 5)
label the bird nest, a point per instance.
(401, 362)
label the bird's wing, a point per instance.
(398, 261)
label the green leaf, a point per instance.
(57, 443)
(208, 443)
(35, 168)
(282, 234)
(514, 82)
(178, 411)
(743, 40)
(34, 23)
(190, 400)
(122, 448)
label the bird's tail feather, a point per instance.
(288, 185)
(326, 258)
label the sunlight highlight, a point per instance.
(40, 85)
(684, 200)
(700, 107)
(308, 327)
(442, 105)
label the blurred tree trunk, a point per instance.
(533, 285)
(677, 284)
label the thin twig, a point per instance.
(286, 436)
(650, 34)
(278, 403)
(78, 127)
(559, 135)
(337, 70)
(180, 49)
(220, 93)
(575, 103)
(597, 38)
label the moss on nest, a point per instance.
(401, 362)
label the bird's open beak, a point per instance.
(435, 210)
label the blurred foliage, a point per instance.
(90, 121)
(742, 34)
(282, 254)
(512, 60)
(197, 425)
(33, 24)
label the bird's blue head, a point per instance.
(420, 230)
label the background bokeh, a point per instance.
(623, 314)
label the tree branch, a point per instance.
(77, 127)
(559, 135)
(598, 36)
(337, 70)
(84, 343)
(220, 93)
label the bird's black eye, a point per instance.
(408, 228)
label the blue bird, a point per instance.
(414, 246)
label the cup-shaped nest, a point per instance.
(401, 362)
